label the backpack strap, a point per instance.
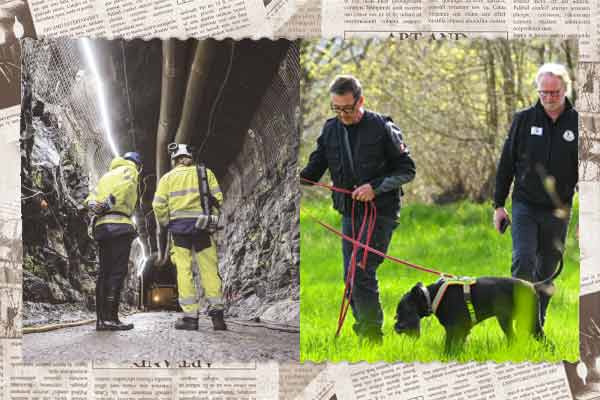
(207, 200)
(203, 189)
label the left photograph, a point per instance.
(15, 23)
(160, 202)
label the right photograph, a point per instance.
(439, 211)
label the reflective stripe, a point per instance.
(113, 221)
(182, 192)
(217, 190)
(215, 303)
(187, 301)
(159, 199)
(186, 214)
(190, 315)
(114, 215)
(118, 218)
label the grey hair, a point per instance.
(558, 70)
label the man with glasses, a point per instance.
(364, 152)
(541, 155)
(187, 202)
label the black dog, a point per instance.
(459, 309)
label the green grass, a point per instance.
(457, 239)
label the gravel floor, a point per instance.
(154, 338)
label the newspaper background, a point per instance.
(302, 18)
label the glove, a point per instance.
(207, 222)
(98, 208)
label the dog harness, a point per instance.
(466, 283)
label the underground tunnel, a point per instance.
(86, 101)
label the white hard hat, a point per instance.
(178, 150)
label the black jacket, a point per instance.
(380, 157)
(536, 148)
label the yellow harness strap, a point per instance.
(466, 283)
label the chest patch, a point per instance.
(569, 136)
(537, 131)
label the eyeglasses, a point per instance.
(344, 109)
(549, 93)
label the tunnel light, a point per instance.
(140, 267)
(582, 372)
(156, 298)
(88, 54)
(142, 246)
(18, 29)
(136, 224)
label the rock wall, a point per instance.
(59, 258)
(260, 265)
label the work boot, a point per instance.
(111, 318)
(99, 319)
(187, 324)
(99, 306)
(217, 320)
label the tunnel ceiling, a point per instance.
(134, 72)
(241, 71)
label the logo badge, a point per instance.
(569, 136)
(537, 131)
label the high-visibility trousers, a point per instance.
(198, 280)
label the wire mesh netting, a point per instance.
(58, 71)
(274, 127)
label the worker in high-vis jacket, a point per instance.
(187, 202)
(112, 203)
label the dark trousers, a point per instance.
(114, 260)
(365, 294)
(538, 238)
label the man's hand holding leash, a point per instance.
(364, 193)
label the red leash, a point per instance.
(371, 210)
(347, 295)
(379, 253)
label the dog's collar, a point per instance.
(429, 310)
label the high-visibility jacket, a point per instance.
(177, 202)
(121, 181)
